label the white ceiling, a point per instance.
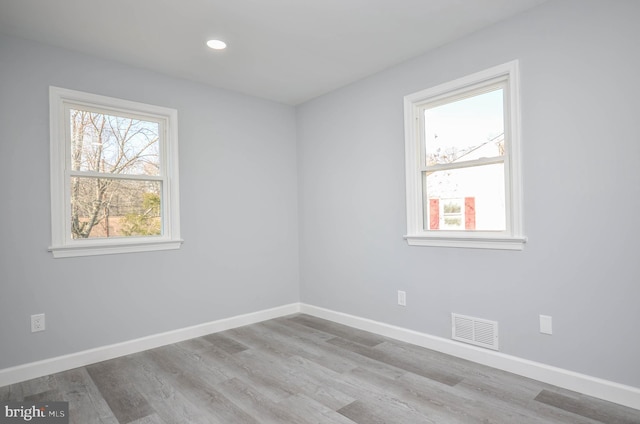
(284, 50)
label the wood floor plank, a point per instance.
(338, 330)
(417, 354)
(170, 404)
(422, 367)
(199, 391)
(295, 344)
(256, 405)
(362, 412)
(126, 402)
(263, 373)
(150, 419)
(180, 359)
(196, 346)
(326, 377)
(225, 343)
(39, 385)
(586, 406)
(259, 372)
(326, 354)
(275, 378)
(47, 396)
(308, 378)
(445, 403)
(86, 404)
(298, 325)
(506, 390)
(517, 392)
(263, 339)
(305, 408)
(255, 338)
(12, 392)
(366, 387)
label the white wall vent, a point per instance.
(476, 331)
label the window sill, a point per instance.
(499, 243)
(86, 249)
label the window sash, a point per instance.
(121, 113)
(70, 173)
(500, 83)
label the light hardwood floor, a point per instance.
(300, 369)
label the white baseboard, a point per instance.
(591, 386)
(79, 359)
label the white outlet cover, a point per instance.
(37, 323)
(546, 324)
(402, 298)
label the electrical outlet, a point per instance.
(402, 298)
(37, 323)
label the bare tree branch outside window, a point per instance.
(113, 192)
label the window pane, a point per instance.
(465, 199)
(114, 144)
(466, 129)
(106, 207)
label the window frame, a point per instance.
(62, 243)
(512, 238)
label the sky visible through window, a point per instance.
(453, 129)
(114, 144)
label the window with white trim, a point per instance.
(462, 145)
(114, 175)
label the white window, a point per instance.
(114, 175)
(462, 144)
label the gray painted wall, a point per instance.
(580, 88)
(238, 188)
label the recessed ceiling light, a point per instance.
(217, 44)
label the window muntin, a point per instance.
(114, 175)
(462, 149)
